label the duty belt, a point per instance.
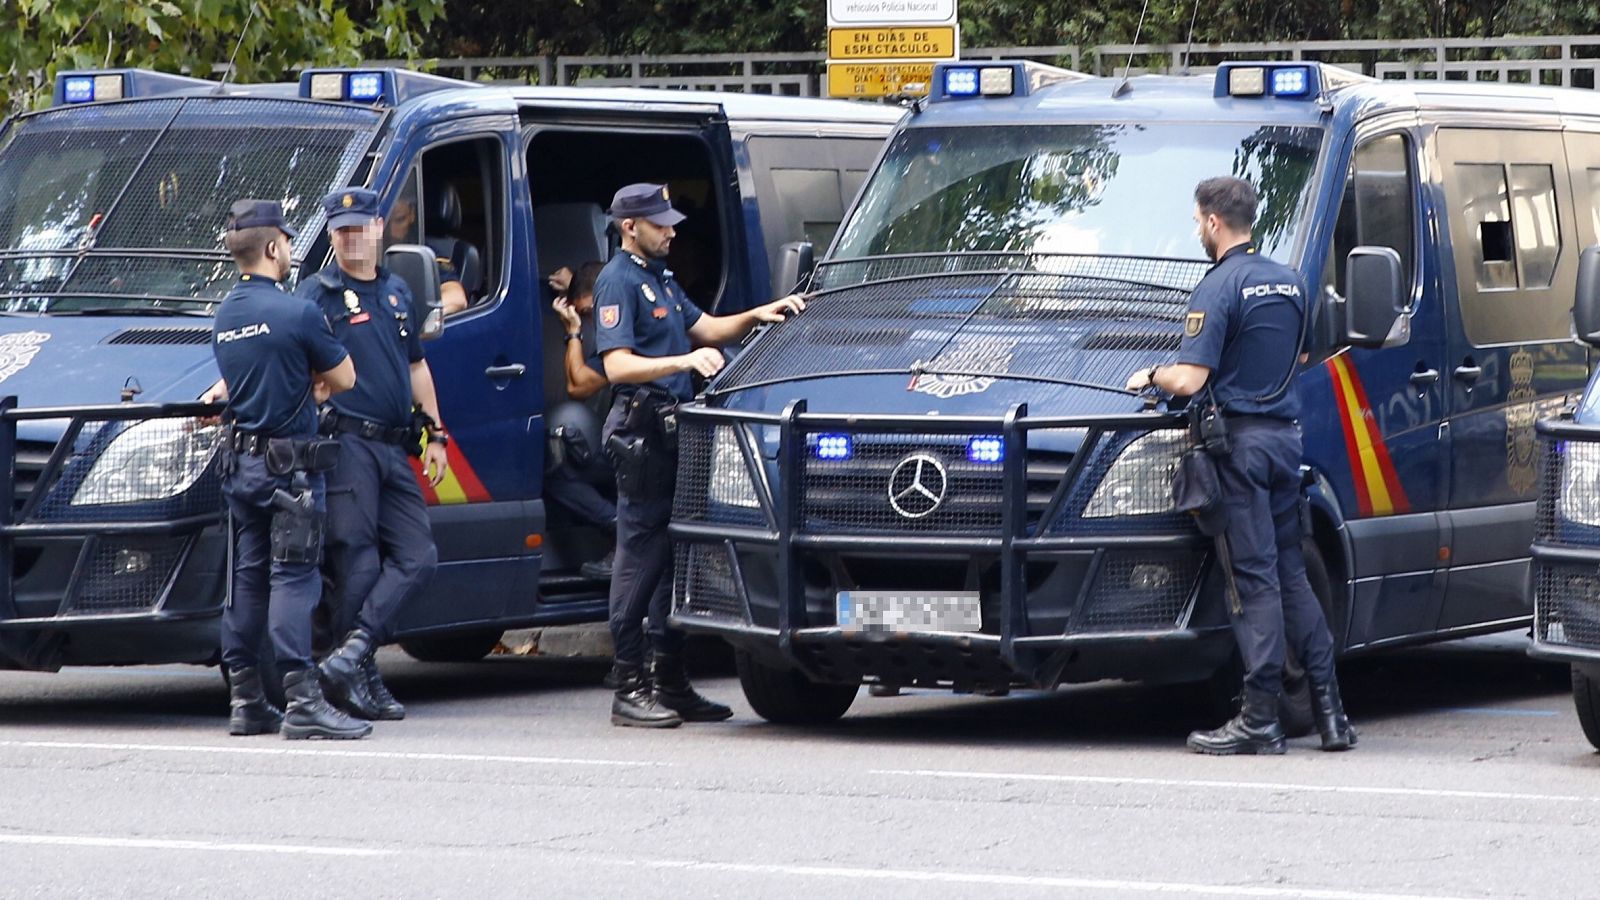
(339, 423)
(251, 443)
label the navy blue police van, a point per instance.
(934, 476)
(112, 203)
(1565, 582)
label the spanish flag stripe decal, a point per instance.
(1378, 488)
(460, 484)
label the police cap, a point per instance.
(350, 206)
(258, 214)
(645, 201)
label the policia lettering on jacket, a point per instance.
(653, 339)
(270, 346)
(1243, 336)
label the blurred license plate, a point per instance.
(908, 611)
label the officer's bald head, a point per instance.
(1230, 199)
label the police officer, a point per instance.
(653, 339)
(402, 229)
(1243, 336)
(380, 546)
(270, 346)
(570, 481)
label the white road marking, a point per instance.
(68, 840)
(325, 751)
(1031, 881)
(1277, 786)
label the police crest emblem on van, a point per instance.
(961, 366)
(17, 350)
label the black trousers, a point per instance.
(641, 579)
(380, 546)
(268, 597)
(1261, 486)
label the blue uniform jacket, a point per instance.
(371, 319)
(639, 306)
(1246, 323)
(267, 343)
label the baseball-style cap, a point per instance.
(350, 206)
(258, 214)
(645, 201)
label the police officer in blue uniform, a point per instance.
(380, 545)
(270, 347)
(653, 340)
(1243, 337)
(574, 467)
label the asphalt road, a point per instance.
(1472, 779)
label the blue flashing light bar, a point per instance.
(987, 448)
(1293, 81)
(91, 86)
(78, 90)
(994, 80)
(1284, 80)
(835, 447)
(385, 87)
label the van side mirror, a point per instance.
(796, 260)
(1586, 305)
(1375, 312)
(417, 266)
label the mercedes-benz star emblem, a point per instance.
(917, 485)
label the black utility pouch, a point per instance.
(320, 455)
(1197, 490)
(282, 456)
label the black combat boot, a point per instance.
(674, 691)
(310, 716)
(1254, 730)
(252, 713)
(635, 703)
(344, 678)
(389, 709)
(1332, 724)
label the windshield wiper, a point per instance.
(127, 311)
(918, 373)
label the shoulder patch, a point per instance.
(610, 316)
(1193, 323)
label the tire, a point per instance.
(466, 646)
(786, 697)
(1586, 698)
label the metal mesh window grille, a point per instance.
(918, 482)
(1071, 327)
(1566, 604)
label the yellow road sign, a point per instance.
(896, 42)
(878, 79)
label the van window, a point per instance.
(1509, 223)
(453, 201)
(1378, 208)
(804, 185)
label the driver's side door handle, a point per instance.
(513, 370)
(1424, 379)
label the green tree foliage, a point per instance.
(40, 37)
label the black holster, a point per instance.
(644, 449)
(296, 524)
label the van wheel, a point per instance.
(786, 697)
(467, 646)
(1586, 697)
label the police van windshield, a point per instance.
(1104, 189)
(124, 204)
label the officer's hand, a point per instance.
(778, 310)
(320, 390)
(560, 280)
(707, 361)
(568, 315)
(1139, 380)
(434, 463)
(217, 393)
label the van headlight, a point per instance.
(1580, 482)
(731, 483)
(152, 460)
(1139, 482)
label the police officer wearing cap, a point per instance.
(1243, 337)
(270, 347)
(380, 545)
(653, 340)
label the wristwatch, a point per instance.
(572, 335)
(439, 437)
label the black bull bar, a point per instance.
(1565, 575)
(782, 530)
(34, 511)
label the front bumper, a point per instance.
(1566, 550)
(1064, 596)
